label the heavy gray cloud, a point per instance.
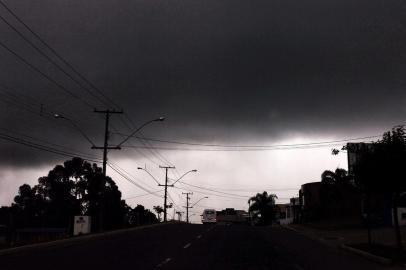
(221, 71)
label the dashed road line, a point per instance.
(297, 267)
(199, 236)
(164, 262)
(187, 245)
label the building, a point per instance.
(232, 216)
(288, 213)
(380, 202)
(310, 201)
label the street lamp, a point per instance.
(184, 176)
(199, 201)
(160, 119)
(166, 185)
(60, 116)
(140, 168)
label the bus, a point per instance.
(209, 216)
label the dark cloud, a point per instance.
(219, 70)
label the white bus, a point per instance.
(209, 216)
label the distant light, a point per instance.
(160, 119)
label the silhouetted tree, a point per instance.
(74, 188)
(28, 206)
(383, 170)
(141, 216)
(263, 207)
(338, 194)
(159, 210)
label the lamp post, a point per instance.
(60, 116)
(160, 119)
(183, 176)
(199, 201)
(166, 183)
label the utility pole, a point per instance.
(105, 147)
(166, 187)
(187, 204)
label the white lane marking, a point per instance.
(199, 236)
(297, 267)
(187, 245)
(164, 262)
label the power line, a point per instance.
(253, 146)
(43, 147)
(213, 190)
(56, 53)
(60, 86)
(40, 108)
(235, 150)
(130, 180)
(142, 195)
(211, 194)
(51, 60)
(131, 175)
(56, 64)
(50, 143)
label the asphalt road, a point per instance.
(182, 246)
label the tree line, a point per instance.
(75, 188)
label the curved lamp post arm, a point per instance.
(59, 116)
(139, 168)
(199, 201)
(138, 129)
(184, 176)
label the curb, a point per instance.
(356, 251)
(307, 235)
(73, 240)
(367, 255)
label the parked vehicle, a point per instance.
(209, 216)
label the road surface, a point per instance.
(183, 246)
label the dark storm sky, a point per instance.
(220, 71)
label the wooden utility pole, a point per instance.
(187, 204)
(105, 147)
(166, 187)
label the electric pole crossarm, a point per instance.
(108, 147)
(108, 111)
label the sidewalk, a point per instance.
(384, 236)
(347, 238)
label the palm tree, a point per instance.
(337, 192)
(262, 207)
(159, 210)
